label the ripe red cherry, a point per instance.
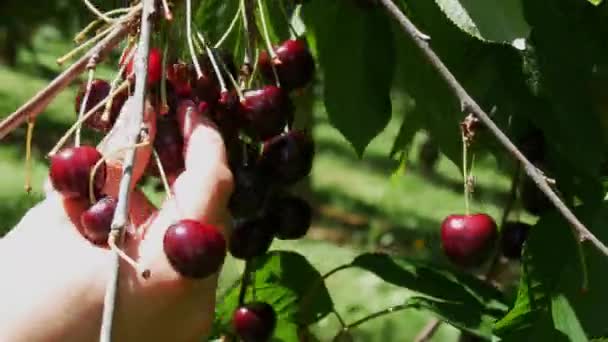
(71, 168)
(194, 249)
(512, 238)
(295, 65)
(155, 66)
(100, 89)
(254, 322)
(250, 238)
(468, 239)
(169, 145)
(97, 220)
(287, 158)
(292, 216)
(266, 111)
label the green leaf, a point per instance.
(278, 26)
(356, 56)
(499, 21)
(282, 279)
(565, 319)
(213, 17)
(461, 299)
(550, 297)
(595, 2)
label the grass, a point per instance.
(364, 204)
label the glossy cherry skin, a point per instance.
(71, 168)
(251, 190)
(295, 65)
(250, 238)
(287, 158)
(468, 239)
(292, 216)
(266, 111)
(194, 249)
(254, 322)
(100, 89)
(97, 220)
(512, 238)
(155, 66)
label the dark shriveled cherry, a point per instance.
(71, 168)
(287, 158)
(292, 216)
(250, 238)
(266, 111)
(254, 322)
(97, 220)
(468, 239)
(100, 89)
(295, 65)
(194, 249)
(512, 238)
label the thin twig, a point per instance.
(470, 106)
(98, 13)
(248, 14)
(85, 99)
(197, 66)
(428, 331)
(230, 28)
(122, 208)
(40, 101)
(379, 314)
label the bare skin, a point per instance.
(53, 280)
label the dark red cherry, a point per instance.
(226, 115)
(251, 190)
(468, 239)
(97, 220)
(178, 75)
(295, 65)
(250, 238)
(194, 249)
(266, 111)
(287, 158)
(169, 145)
(254, 322)
(207, 87)
(512, 238)
(100, 89)
(71, 168)
(155, 66)
(292, 216)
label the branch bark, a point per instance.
(121, 215)
(470, 106)
(40, 101)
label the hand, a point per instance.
(53, 280)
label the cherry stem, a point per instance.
(213, 61)
(28, 155)
(164, 107)
(161, 171)
(234, 83)
(271, 52)
(84, 45)
(465, 176)
(235, 19)
(469, 105)
(293, 31)
(144, 272)
(381, 313)
(105, 117)
(98, 13)
(246, 279)
(86, 116)
(197, 66)
(255, 68)
(167, 10)
(82, 35)
(83, 104)
(248, 15)
(120, 218)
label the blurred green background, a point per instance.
(373, 203)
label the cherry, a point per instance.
(155, 66)
(226, 115)
(100, 89)
(207, 87)
(287, 158)
(169, 145)
(251, 190)
(194, 249)
(71, 168)
(292, 216)
(178, 75)
(468, 239)
(97, 220)
(513, 236)
(266, 111)
(254, 322)
(250, 238)
(294, 65)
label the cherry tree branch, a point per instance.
(470, 106)
(121, 215)
(41, 100)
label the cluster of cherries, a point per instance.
(265, 154)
